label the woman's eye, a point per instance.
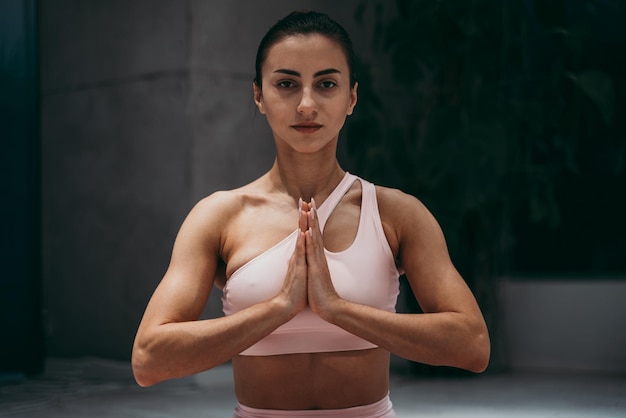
(286, 84)
(327, 84)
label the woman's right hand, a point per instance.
(294, 290)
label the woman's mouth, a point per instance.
(307, 128)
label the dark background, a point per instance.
(505, 118)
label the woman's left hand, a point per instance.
(321, 292)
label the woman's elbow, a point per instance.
(143, 372)
(478, 357)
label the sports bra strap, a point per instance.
(328, 206)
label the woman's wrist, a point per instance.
(283, 307)
(332, 309)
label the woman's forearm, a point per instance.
(178, 349)
(445, 338)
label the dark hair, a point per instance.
(305, 23)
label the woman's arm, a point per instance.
(451, 331)
(171, 342)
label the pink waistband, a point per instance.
(380, 409)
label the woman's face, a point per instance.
(306, 92)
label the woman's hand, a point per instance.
(308, 279)
(321, 292)
(294, 290)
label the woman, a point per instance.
(308, 258)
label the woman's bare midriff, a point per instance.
(312, 380)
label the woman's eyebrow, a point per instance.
(317, 74)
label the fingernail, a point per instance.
(300, 204)
(310, 231)
(314, 209)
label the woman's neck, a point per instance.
(306, 177)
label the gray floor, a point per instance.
(102, 388)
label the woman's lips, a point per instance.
(307, 128)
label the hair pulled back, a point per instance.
(305, 23)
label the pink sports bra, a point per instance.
(364, 273)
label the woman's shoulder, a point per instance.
(212, 217)
(402, 211)
(222, 205)
(396, 201)
(228, 202)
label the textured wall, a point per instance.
(146, 108)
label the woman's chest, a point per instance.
(257, 230)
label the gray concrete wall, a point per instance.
(146, 108)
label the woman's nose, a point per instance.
(307, 103)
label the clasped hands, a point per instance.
(308, 279)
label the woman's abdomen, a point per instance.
(312, 380)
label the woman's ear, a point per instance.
(258, 97)
(353, 99)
